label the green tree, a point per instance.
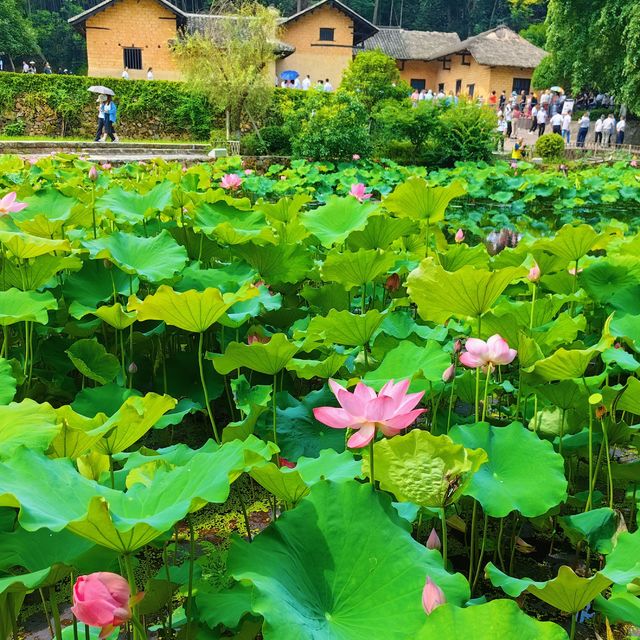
(373, 76)
(536, 34)
(229, 61)
(17, 37)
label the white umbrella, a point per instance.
(100, 89)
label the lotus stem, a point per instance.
(372, 464)
(275, 414)
(93, 211)
(204, 389)
(55, 612)
(444, 538)
(606, 453)
(139, 633)
(499, 544)
(478, 394)
(589, 499)
(192, 553)
(572, 633)
(165, 561)
(453, 386)
(533, 304)
(46, 611)
(513, 541)
(245, 515)
(486, 393)
(363, 306)
(472, 547)
(87, 632)
(12, 615)
(575, 287)
(481, 556)
(428, 238)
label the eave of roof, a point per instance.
(105, 4)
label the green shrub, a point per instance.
(252, 145)
(329, 127)
(550, 146)
(15, 128)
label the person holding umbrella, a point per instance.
(101, 99)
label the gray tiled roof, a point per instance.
(402, 44)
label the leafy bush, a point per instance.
(15, 128)
(330, 127)
(550, 146)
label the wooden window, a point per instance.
(446, 64)
(132, 57)
(465, 62)
(326, 34)
(441, 87)
(521, 84)
(458, 86)
(418, 84)
(471, 88)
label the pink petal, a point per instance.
(333, 417)
(476, 346)
(401, 421)
(362, 437)
(363, 392)
(351, 404)
(380, 408)
(335, 387)
(410, 402)
(471, 361)
(396, 391)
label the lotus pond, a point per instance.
(319, 402)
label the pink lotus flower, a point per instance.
(254, 337)
(33, 160)
(355, 156)
(8, 204)
(432, 596)
(358, 191)
(390, 411)
(106, 166)
(248, 172)
(514, 165)
(534, 273)
(449, 373)
(103, 600)
(93, 173)
(494, 351)
(457, 346)
(231, 181)
(634, 163)
(392, 283)
(433, 541)
(287, 463)
(459, 237)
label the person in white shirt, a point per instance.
(125, 73)
(441, 95)
(296, 83)
(584, 129)
(556, 123)
(327, 86)
(149, 73)
(541, 119)
(620, 127)
(306, 83)
(566, 127)
(598, 129)
(607, 129)
(429, 95)
(534, 118)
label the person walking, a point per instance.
(47, 69)
(101, 119)
(508, 116)
(328, 87)
(566, 127)
(583, 130)
(534, 118)
(110, 110)
(515, 121)
(493, 99)
(503, 99)
(149, 73)
(607, 129)
(125, 73)
(502, 132)
(306, 83)
(556, 123)
(598, 129)
(620, 127)
(541, 119)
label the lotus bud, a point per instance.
(355, 157)
(432, 596)
(286, 463)
(184, 168)
(514, 165)
(132, 368)
(459, 237)
(107, 264)
(457, 346)
(93, 173)
(617, 345)
(392, 283)
(248, 172)
(534, 273)
(601, 411)
(449, 373)
(106, 166)
(433, 541)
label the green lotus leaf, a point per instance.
(343, 327)
(602, 280)
(431, 471)
(415, 199)
(24, 245)
(277, 263)
(115, 316)
(566, 592)
(332, 222)
(247, 395)
(226, 277)
(409, 360)
(597, 527)
(48, 202)
(134, 418)
(572, 242)
(495, 619)
(318, 571)
(8, 382)
(242, 429)
(285, 484)
(467, 292)
(176, 415)
(623, 563)
(255, 306)
(26, 423)
(223, 607)
(285, 209)
(25, 306)
(77, 434)
(620, 358)
(106, 399)
(327, 297)
(329, 465)
(269, 358)
(131, 207)
(523, 473)
(563, 364)
(91, 359)
(621, 606)
(122, 521)
(39, 272)
(191, 310)
(154, 259)
(351, 269)
(309, 369)
(231, 225)
(630, 398)
(626, 326)
(401, 325)
(460, 255)
(380, 232)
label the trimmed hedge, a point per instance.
(57, 105)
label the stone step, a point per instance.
(47, 146)
(145, 157)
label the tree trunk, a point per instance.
(376, 11)
(227, 122)
(13, 66)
